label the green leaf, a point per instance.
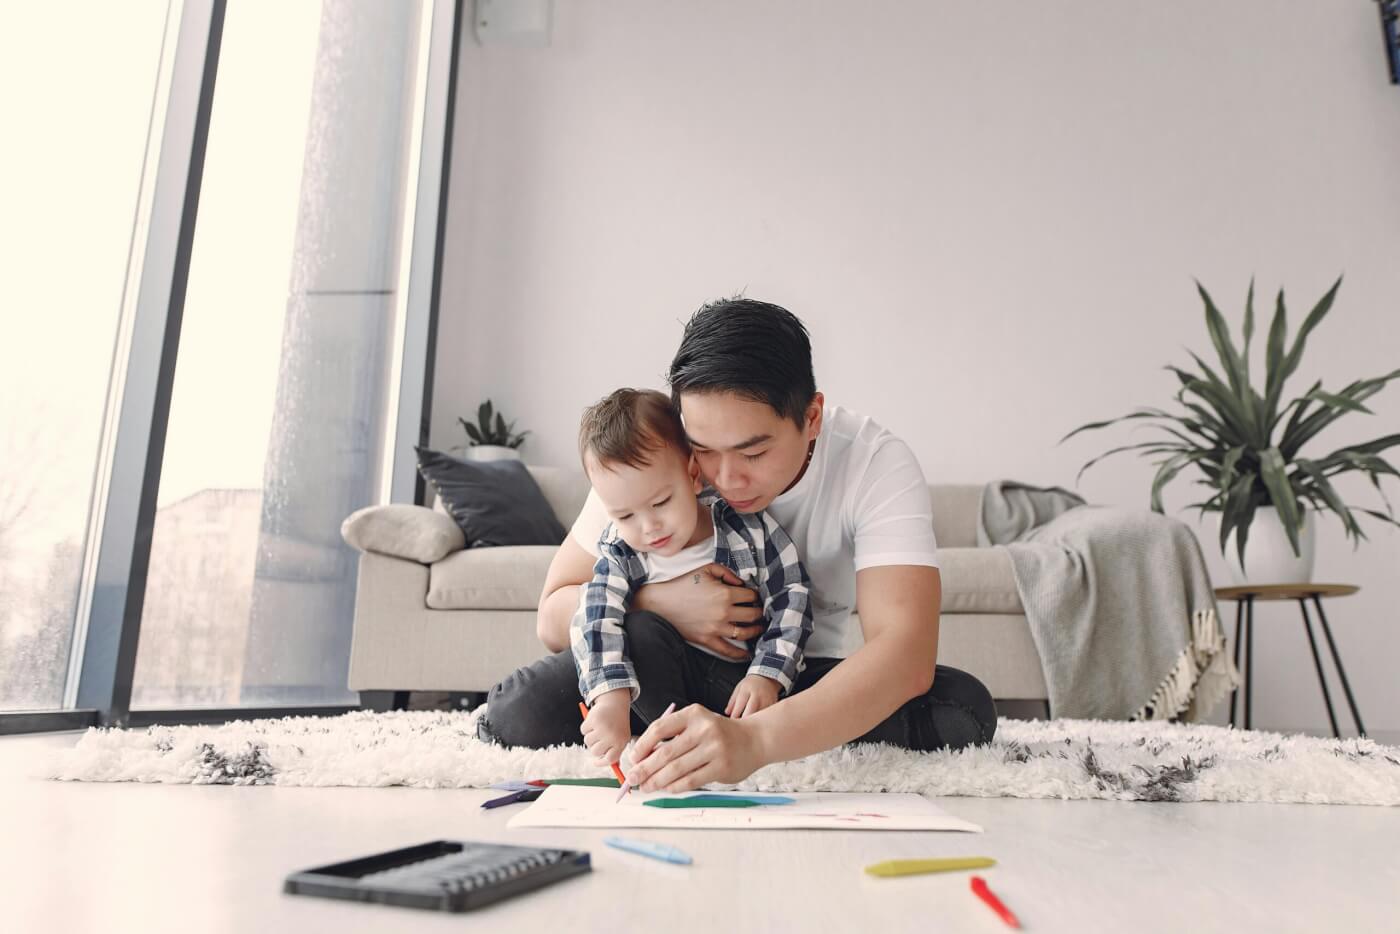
(1137, 413)
(1227, 466)
(1236, 416)
(472, 433)
(1206, 505)
(1289, 363)
(1341, 402)
(1374, 447)
(1299, 406)
(1377, 515)
(1224, 347)
(1295, 355)
(1329, 496)
(1376, 482)
(1347, 459)
(1273, 354)
(1248, 328)
(1263, 417)
(1190, 442)
(1149, 447)
(1369, 462)
(1272, 471)
(1216, 429)
(1326, 414)
(1169, 469)
(1237, 512)
(483, 417)
(502, 433)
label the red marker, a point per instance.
(979, 888)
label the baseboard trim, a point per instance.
(46, 721)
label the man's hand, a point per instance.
(608, 726)
(751, 695)
(703, 747)
(706, 607)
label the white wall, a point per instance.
(989, 215)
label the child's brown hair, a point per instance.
(628, 426)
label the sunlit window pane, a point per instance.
(281, 381)
(76, 93)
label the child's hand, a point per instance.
(751, 695)
(608, 726)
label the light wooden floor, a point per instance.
(128, 857)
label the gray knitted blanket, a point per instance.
(1119, 604)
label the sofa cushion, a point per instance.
(978, 580)
(975, 580)
(403, 531)
(565, 488)
(956, 512)
(495, 502)
(506, 578)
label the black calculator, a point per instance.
(444, 875)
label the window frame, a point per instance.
(112, 590)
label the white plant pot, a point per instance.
(1268, 556)
(490, 452)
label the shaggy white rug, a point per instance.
(1153, 761)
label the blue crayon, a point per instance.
(659, 851)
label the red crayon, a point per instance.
(979, 888)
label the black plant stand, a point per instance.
(1245, 598)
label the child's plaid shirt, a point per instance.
(741, 540)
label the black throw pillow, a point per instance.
(495, 502)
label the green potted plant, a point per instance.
(1249, 447)
(492, 437)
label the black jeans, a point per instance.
(537, 706)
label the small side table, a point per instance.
(1245, 597)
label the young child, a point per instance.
(664, 524)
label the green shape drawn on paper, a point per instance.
(589, 782)
(703, 801)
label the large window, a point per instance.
(282, 379)
(221, 221)
(77, 107)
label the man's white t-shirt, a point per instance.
(863, 502)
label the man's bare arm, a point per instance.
(571, 568)
(898, 608)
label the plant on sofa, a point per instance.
(1228, 432)
(491, 430)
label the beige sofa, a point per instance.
(431, 615)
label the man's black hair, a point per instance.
(753, 349)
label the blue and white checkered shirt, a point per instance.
(595, 633)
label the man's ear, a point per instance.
(693, 468)
(814, 416)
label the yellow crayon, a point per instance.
(909, 867)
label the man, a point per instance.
(853, 499)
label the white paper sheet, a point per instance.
(579, 806)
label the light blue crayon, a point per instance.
(659, 851)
